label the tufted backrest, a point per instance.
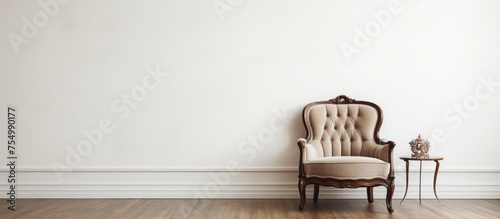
(342, 127)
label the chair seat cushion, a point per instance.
(347, 167)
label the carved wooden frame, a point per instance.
(346, 183)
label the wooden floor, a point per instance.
(191, 208)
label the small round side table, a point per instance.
(407, 160)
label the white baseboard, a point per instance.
(247, 183)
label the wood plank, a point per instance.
(217, 210)
(232, 210)
(184, 208)
(201, 209)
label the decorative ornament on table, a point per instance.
(419, 148)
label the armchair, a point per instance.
(342, 148)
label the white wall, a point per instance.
(237, 74)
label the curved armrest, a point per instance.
(307, 151)
(301, 141)
(381, 150)
(391, 146)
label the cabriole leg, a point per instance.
(388, 199)
(302, 192)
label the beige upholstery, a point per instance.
(342, 148)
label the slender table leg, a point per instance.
(435, 178)
(407, 170)
(420, 184)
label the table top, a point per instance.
(430, 158)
